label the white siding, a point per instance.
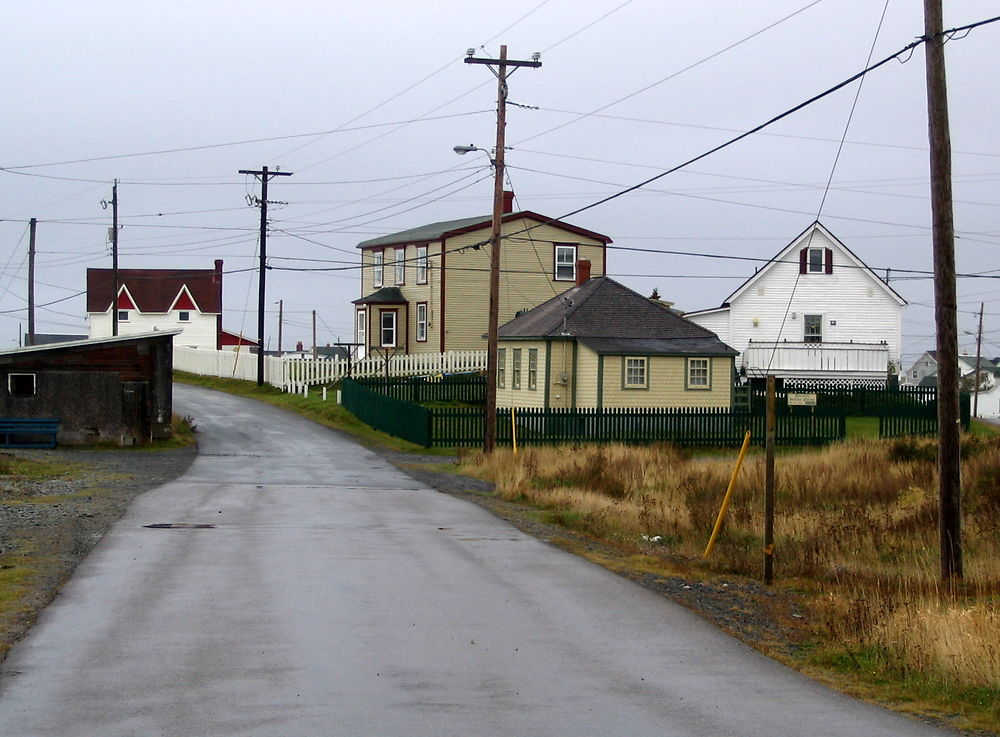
(200, 332)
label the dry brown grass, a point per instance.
(856, 521)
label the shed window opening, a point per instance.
(698, 377)
(184, 316)
(532, 369)
(635, 373)
(422, 321)
(515, 369)
(21, 385)
(122, 315)
(501, 368)
(565, 266)
(400, 266)
(813, 328)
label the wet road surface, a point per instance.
(334, 595)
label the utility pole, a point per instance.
(501, 64)
(945, 297)
(979, 355)
(264, 175)
(281, 319)
(314, 335)
(31, 282)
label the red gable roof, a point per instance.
(155, 290)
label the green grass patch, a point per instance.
(862, 427)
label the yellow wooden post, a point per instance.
(729, 493)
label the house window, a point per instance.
(501, 367)
(122, 315)
(565, 263)
(388, 328)
(377, 268)
(532, 369)
(362, 324)
(813, 325)
(635, 373)
(815, 260)
(515, 369)
(400, 266)
(698, 374)
(421, 322)
(914, 373)
(421, 264)
(21, 385)
(183, 316)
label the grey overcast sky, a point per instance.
(364, 101)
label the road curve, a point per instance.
(334, 595)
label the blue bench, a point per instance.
(28, 432)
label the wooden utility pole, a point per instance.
(501, 64)
(264, 175)
(945, 297)
(281, 319)
(979, 356)
(314, 335)
(771, 423)
(114, 257)
(30, 339)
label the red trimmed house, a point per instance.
(426, 289)
(159, 299)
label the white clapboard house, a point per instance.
(813, 312)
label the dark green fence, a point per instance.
(855, 401)
(388, 414)
(920, 420)
(468, 388)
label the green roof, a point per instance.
(431, 232)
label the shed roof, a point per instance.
(383, 296)
(13, 354)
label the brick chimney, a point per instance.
(298, 346)
(582, 272)
(508, 201)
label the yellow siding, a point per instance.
(526, 265)
(586, 377)
(561, 393)
(507, 396)
(667, 384)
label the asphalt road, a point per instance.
(334, 595)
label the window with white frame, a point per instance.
(515, 368)
(400, 265)
(421, 322)
(387, 323)
(183, 316)
(812, 328)
(698, 374)
(532, 369)
(377, 268)
(421, 264)
(122, 315)
(362, 328)
(635, 373)
(565, 262)
(815, 261)
(501, 368)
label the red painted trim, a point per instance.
(828, 258)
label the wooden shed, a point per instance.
(111, 390)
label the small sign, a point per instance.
(801, 400)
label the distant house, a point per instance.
(230, 341)
(110, 390)
(814, 311)
(926, 367)
(426, 289)
(188, 300)
(600, 344)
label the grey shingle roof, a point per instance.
(383, 296)
(430, 232)
(610, 317)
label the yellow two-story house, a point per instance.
(426, 289)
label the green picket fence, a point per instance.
(468, 388)
(390, 415)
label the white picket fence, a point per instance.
(293, 374)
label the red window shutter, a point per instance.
(829, 260)
(803, 255)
